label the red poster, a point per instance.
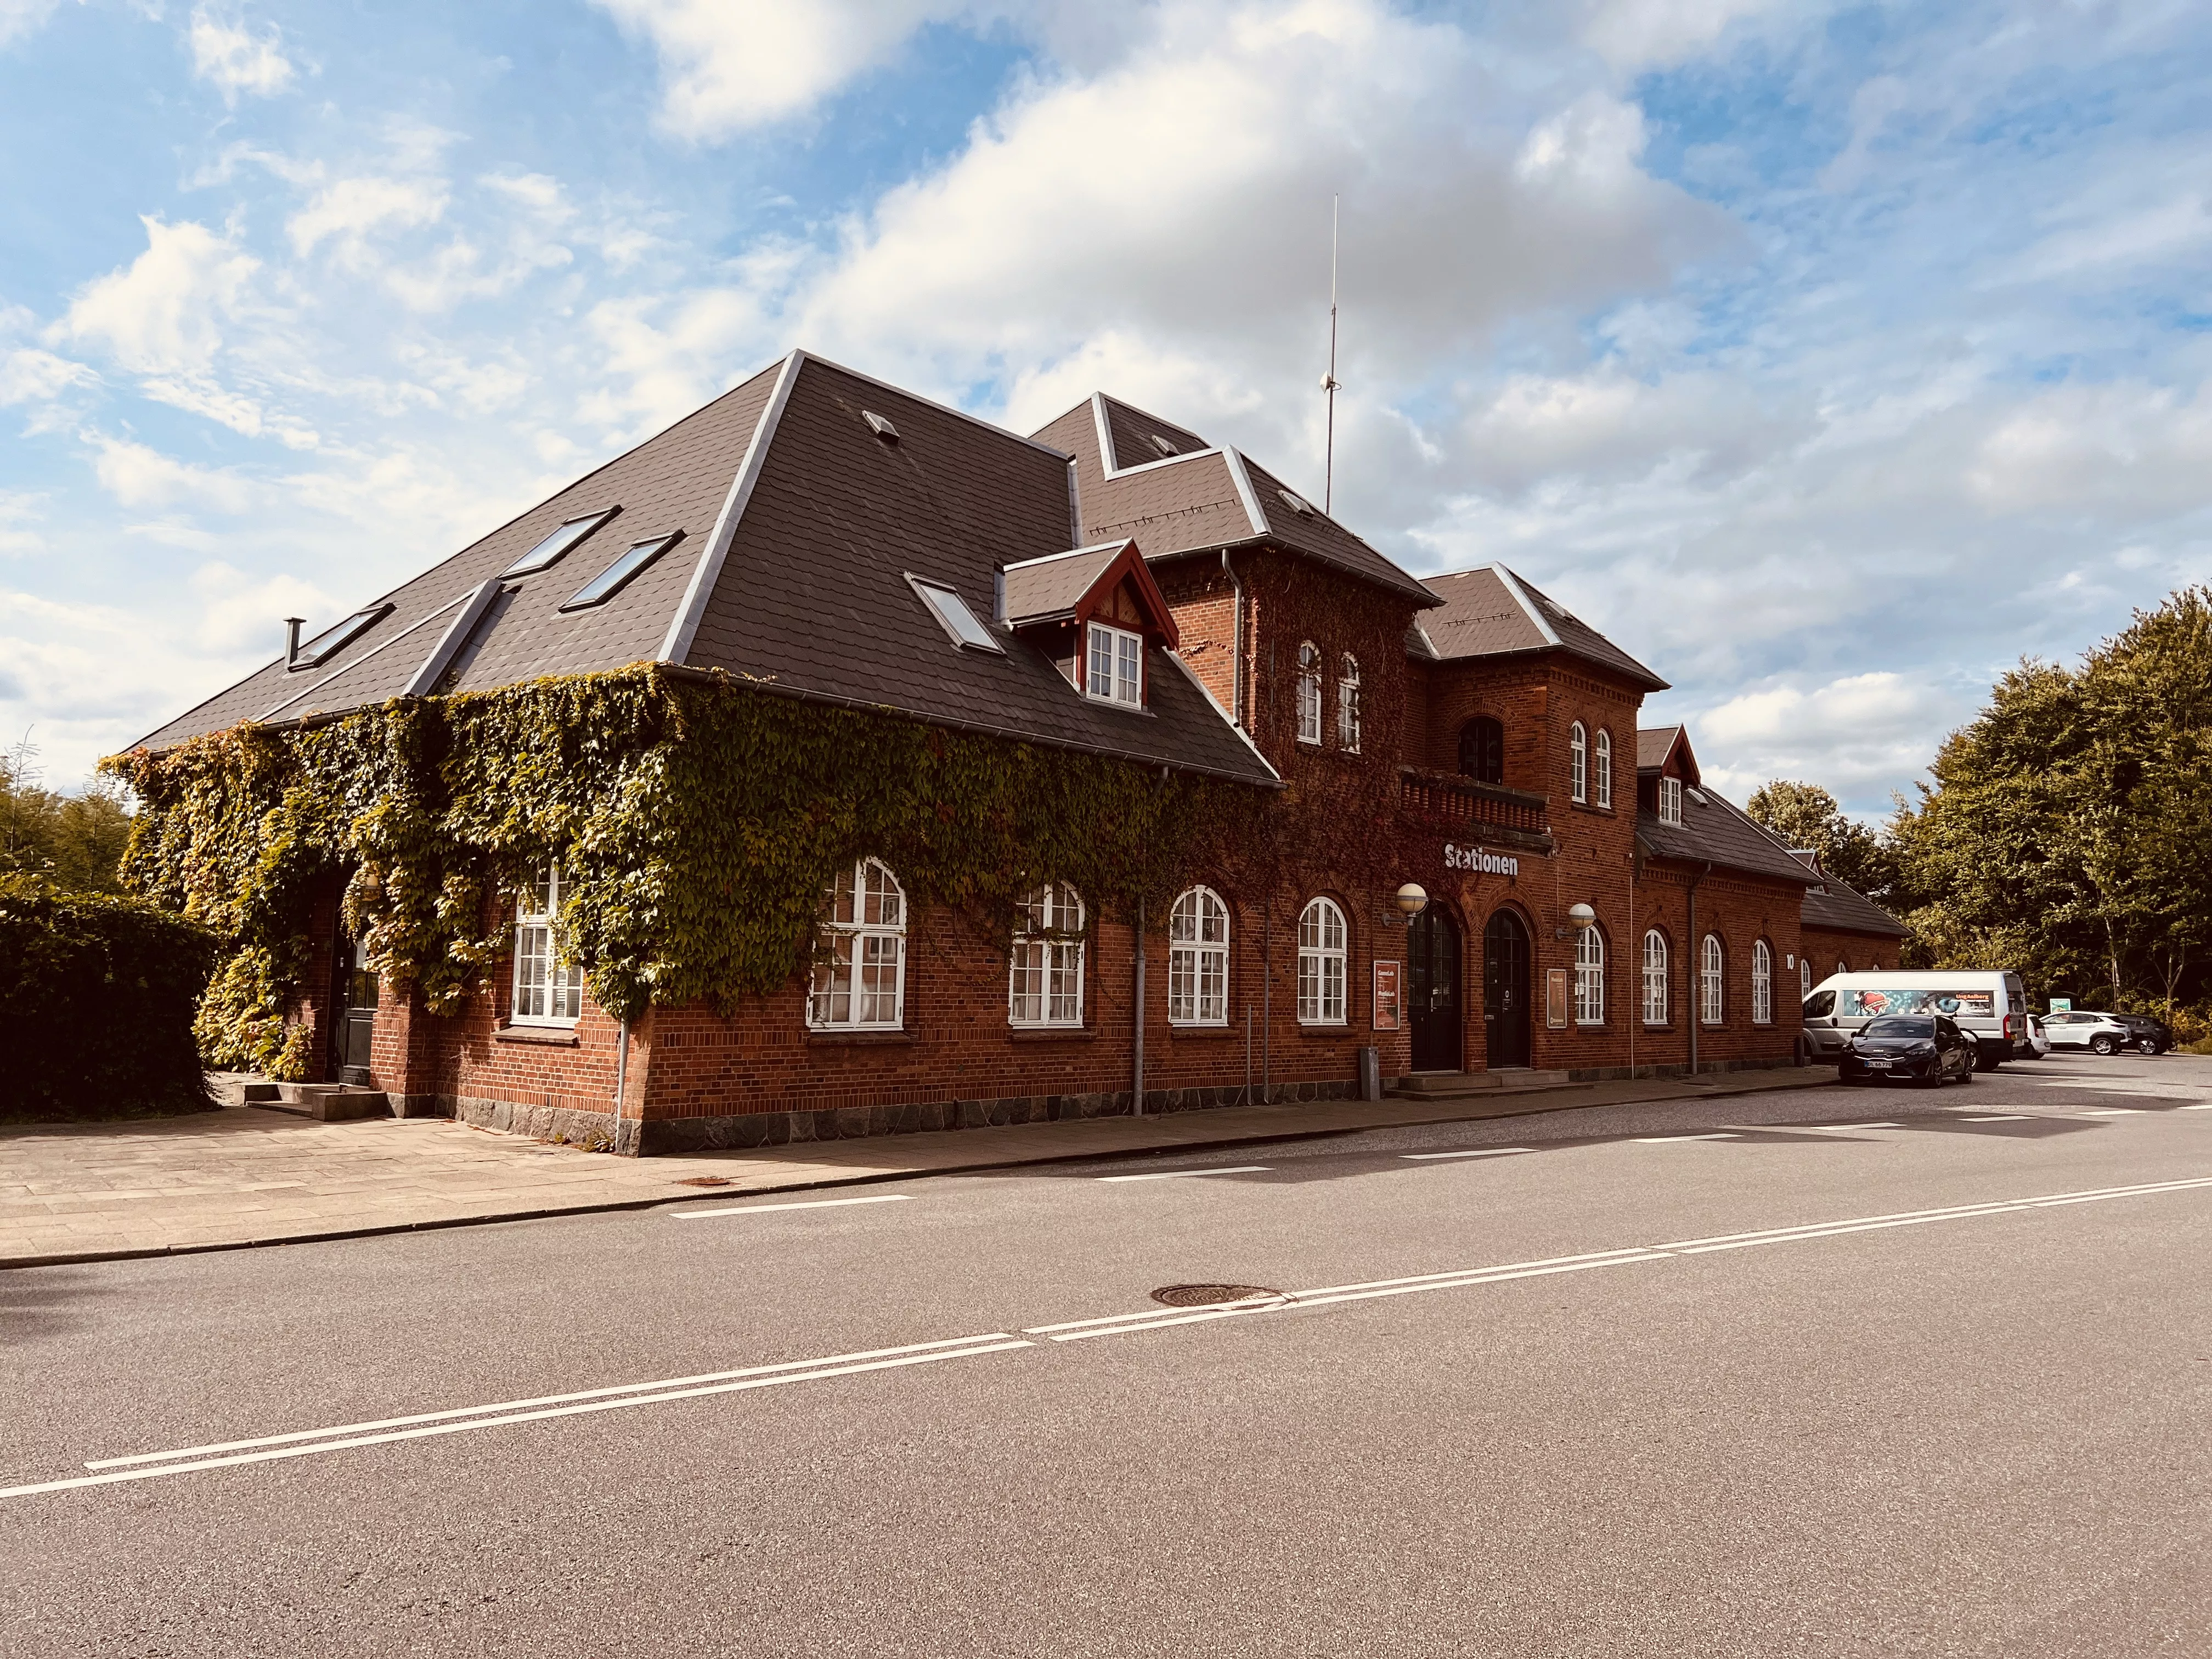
(1386, 1010)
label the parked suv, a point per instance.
(2153, 1036)
(2085, 1028)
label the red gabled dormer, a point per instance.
(1093, 611)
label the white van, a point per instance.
(1989, 1006)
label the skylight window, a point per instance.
(1698, 796)
(617, 576)
(331, 640)
(547, 552)
(953, 614)
(880, 425)
(1298, 504)
(1163, 445)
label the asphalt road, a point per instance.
(1612, 1386)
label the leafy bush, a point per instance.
(97, 996)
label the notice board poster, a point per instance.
(1388, 1008)
(1555, 999)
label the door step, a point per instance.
(327, 1103)
(1461, 1086)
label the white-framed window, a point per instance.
(1309, 693)
(1320, 964)
(1197, 959)
(1710, 962)
(1603, 762)
(1347, 705)
(547, 990)
(1670, 800)
(1577, 763)
(1115, 665)
(1590, 976)
(1804, 977)
(1044, 980)
(1762, 983)
(1654, 977)
(860, 959)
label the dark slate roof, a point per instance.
(1714, 830)
(1653, 743)
(1844, 909)
(1490, 611)
(1052, 585)
(801, 528)
(1205, 496)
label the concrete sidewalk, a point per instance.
(243, 1175)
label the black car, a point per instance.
(2153, 1036)
(1925, 1047)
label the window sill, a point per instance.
(1052, 1034)
(1181, 1032)
(857, 1039)
(1324, 1032)
(551, 1036)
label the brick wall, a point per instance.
(1858, 951)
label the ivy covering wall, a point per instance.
(698, 820)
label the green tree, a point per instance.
(74, 841)
(1807, 816)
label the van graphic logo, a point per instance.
(1481, 861)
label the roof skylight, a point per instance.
(548, 551)
(953, 614)
(617, 576)
(331, 640)
(1163, 445)
(1298, 504)
(880, 425)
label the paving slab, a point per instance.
(244, 1175)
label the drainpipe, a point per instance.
(1267, 999)
(622, 1080)
(1236, 642)
(1137, 1079)
(1697, 973)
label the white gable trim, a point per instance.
(684, 627)
(1204, 690)
(1536, 613)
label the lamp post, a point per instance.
(1410, 899)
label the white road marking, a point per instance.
(478, 1417)
(1476, 1151)
(2111, 1111)
(1175, 1174)
(1837, 1127)
(1662, 1141)
(2002, 1117)
(2202, 1106)
(811, 1204)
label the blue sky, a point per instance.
(1831, 357)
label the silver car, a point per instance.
(2083, 1028)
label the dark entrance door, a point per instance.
(353, 1010)
(1505, 990)
(1432, 991)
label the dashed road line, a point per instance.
(810, 1204)
(1473, 1151)
(1175, 1174)
(2001, 1117)
(1664, 1140)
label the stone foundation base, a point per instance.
(1706, 1068)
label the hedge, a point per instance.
(97, 996)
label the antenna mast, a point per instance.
(1328, 381)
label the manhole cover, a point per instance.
(1209, 1296)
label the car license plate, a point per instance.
(1877, 1066)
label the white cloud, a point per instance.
(239, 613)
(233, 58)
(1634, 35)
(21, 18)
(19, 510)
(32, 376)
(1851, 735)
(352, 209)
(730, 65)
(163, 314)
(137, 476)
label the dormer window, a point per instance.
(1670, 800)
(1113, 665)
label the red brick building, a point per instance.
(1114, 584)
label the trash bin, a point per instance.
(1371, 1074)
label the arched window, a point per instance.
(859, 958)
(1044, 977)
(1347, 705)
(547, 990)
(1578, 763)
(1655, 978)
(1709, 961)
(1320, 964)
(1482, 749)
(1804, 977)
(1197, 959)
(1762, 983)
(1308, 693)
(1604, 766)
(1590, 978)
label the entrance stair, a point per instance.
(1479, 1085)
(328, 1102)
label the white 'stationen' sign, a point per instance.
(1482, 862)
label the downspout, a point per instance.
(1236, 642)
(1697, 962)
(1137, 1078)
(622, 1081)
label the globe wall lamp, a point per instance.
(1581, 915)
(1412, 899)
